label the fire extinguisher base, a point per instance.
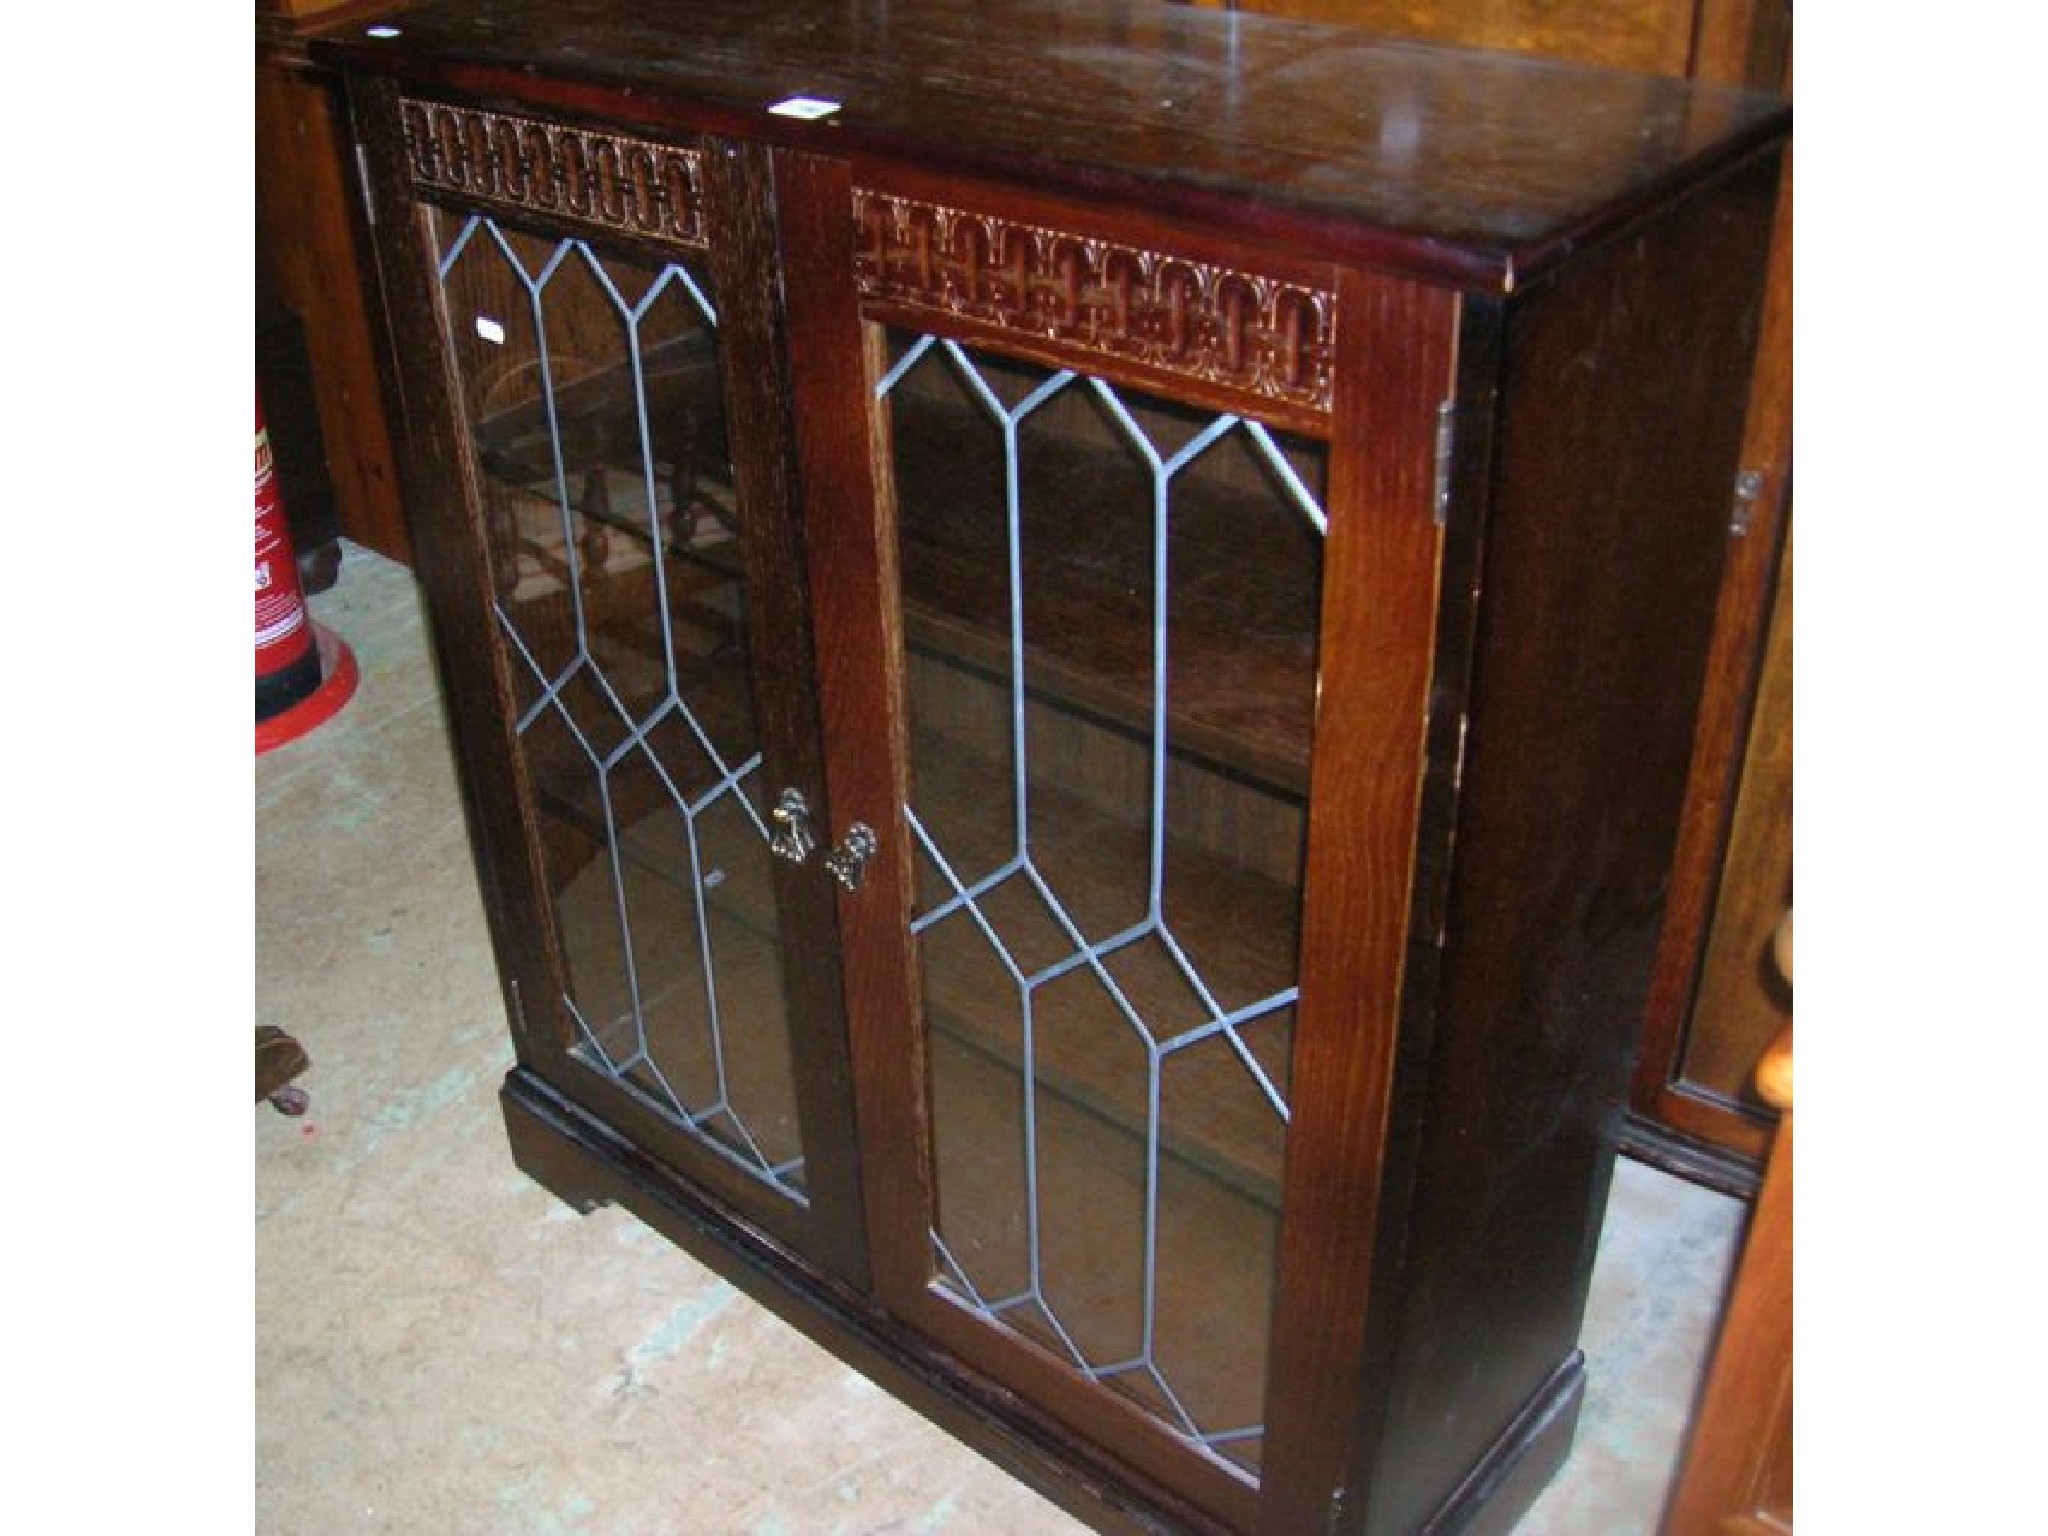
(339, 674)
(277, 692)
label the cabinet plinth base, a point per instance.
(1698, 1162)
(1522, 1461)
(586, 1164)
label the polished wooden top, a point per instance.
(1478, 167)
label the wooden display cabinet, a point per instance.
(1073, 674)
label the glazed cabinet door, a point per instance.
(1082, 585)
(590, 334)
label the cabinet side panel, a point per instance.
(1621, 406)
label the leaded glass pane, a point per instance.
(592, 392)
(1110, 608)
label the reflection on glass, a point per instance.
(1111, 606)
(591, 387)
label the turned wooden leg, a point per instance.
(279, 1059)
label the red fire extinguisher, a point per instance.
(287, 657)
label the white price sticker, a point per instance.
(808, 108)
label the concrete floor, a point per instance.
(441, 1346)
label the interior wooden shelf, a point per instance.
(1242, 633)
(1239, 928)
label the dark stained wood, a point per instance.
(1475, 167)
(859, 647)
(1672, 1123)
(740, 192)
(1498, 1492)
(1654, 36)
(1740, 996)
(1656, 1144)
(1744, 42)
(291, 423)
(1741, 42)
(1698, 1132)
(1503, 694)
(1589, 660)
(279, 22)
(1206, 320)
(310, 239)
(1378, 639)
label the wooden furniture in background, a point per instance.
(1744, 42)
(1717, 1004)
(279, 1059)
(1011, 822)
(1692, 1110)
(314, 287)
(1736, 1479)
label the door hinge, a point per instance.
(1446, 433)
(1749, 490)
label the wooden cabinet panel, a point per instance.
(309, 245)
(1736, 1479)
(1075, 731)
(1713, 1003)
(1742, 42)
(1739, 989)
(1655, 36)
(1714, 995)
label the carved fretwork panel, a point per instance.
(609, 181)
(1270, 340)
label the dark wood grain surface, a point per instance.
(1588, 662)
(1479, 166)
(1727, 848)
(1509, 664)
